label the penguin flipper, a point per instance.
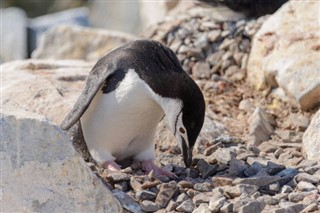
(94, 81)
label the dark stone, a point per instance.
(273, 168)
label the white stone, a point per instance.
(42, 172)
(75, 42)
(311, 139)
(287, 54)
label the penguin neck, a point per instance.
(171, 108)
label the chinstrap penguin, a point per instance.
(125, 96)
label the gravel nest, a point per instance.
(231, 173)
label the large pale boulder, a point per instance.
(286, 52)
(13, 35)
(311, 139)
(75, 42)
(42, 172)
(46, 87)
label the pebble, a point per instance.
(165, 194)
(202, 208)
(206, 169)
(216, 204)
(298, 196)
(126, 201)
(307, 178)
(149, 206)
(273, 168)
(252, 207)
(117, 176)
(186, 206)
(145, 195)
(201, 198)
(306, 186)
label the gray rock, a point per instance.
(275, 187)
(215, 205)
(307, 178)
(239, 202)
(311, 139)
(227, 207)
(186, 206)
(224, 155)
(13, 35)
(259, 181)
(182, 197)
(202, 187)
(202, 198)
(306, 186)
(252, 207)
(165, 194)
(312, 169)
(145, 195)
(117, 176)
(286, 189)
(37, 26)
(149, 206)
(267, 199)
(126, 201)
(273, 168)
(172, 206)
(298, 196)
(260, 126)
(237, 168)
(206, 169)
(311, 208)
(238, 190)
(38, 180)
(201, 70)
(71, 36)
(290, 208)
(202, 208)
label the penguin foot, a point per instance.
(148, 166)
(111, 166)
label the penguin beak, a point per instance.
(187, 153)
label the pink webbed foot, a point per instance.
(148, 166)
(111, 166)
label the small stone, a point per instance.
(202, 187)
(252, 207)
(202, 198)
(202, 208)
(122, 185)
(221, 181)
(227, 207)
(306, 177)
(135, 184)
(201, 70)
(297, 196)
(286, 189)
(215, 205)
(260, 181)
(192, 193)
(186, 206)
(117, 176)
(206, 169)
(238, 190)
(224, 155)
(237, 168)
(214, 35)
(172, 205)
(311, 208)
(149, 206)
(275, 187)
(182, 197)
(185, 184)
(273, 168)
(145, 195)
(306, 186)
(268, 200)
(292, 208)
(260, 126)
(250, 172)
(126, 201)
(239, 202)
(165, 194)
(311, 170)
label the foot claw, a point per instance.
(149, 166)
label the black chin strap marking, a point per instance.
(175, 124)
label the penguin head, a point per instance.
(189, 121)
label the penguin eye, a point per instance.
(182, 130)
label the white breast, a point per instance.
(121, 123)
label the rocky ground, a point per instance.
(251, 155)
(255, 164)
